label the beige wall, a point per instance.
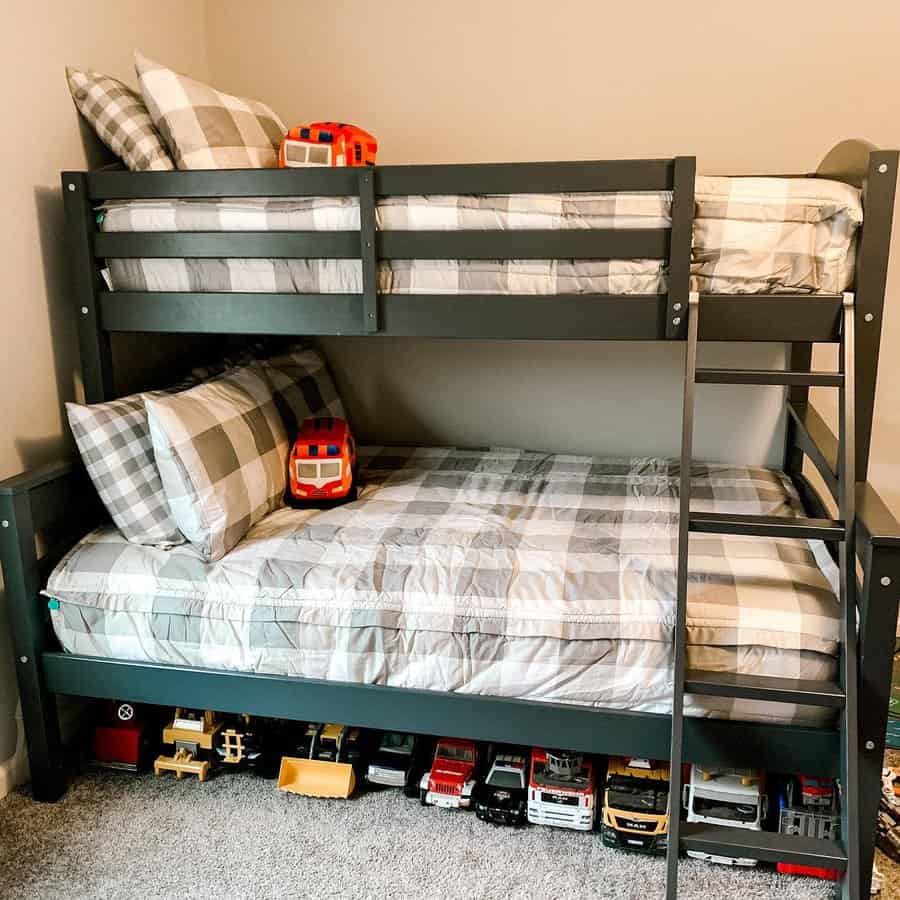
(767, 89)
(41, 137)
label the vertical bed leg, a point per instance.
(878, 625)
(22, 583)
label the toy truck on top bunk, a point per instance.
(731, 797)
(636, 805)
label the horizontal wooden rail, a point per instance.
(598, 243)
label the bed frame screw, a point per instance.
(71, 185)
(84, 310)
(870, 745)
(676, 306)
(371, 315)
(23, 659)
(869, 317)
(886, 581)
(676, 320)
(5, 523)
(883, 168)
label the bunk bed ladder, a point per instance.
(737, 842)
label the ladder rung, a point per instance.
(767, 526)
(769, 376)
(766, 846)
(761, 687)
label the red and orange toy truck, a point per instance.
(323, 461)
(327, 144)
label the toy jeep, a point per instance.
(399, 761)
(502, 797)
(328, 762)
(451, 779)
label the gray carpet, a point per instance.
(121, 836)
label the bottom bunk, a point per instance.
(497, 573)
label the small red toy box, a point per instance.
(120, 740)
(327, 144)
(323, 460)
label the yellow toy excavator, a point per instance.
(326, 764)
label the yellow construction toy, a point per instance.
(327, 762)
(192, 733)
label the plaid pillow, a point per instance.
(204, 128)
(222, 455)
(114, 441)
(121, 121)
(301, 386)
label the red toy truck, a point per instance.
(816, 816)
(452, 777)
(562, 790)
(323, 460)
(121, 739)
(327, 144)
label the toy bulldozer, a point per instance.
(327, 767)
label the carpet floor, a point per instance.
(123, 837)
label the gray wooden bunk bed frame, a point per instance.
(43, 512)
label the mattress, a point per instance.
(751, 235)
(498, 572)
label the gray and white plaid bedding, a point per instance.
(751, 235)
(497, 571)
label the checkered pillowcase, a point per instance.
(301, 386)
(205, 128)
(121, 120)
(114, 442)
(222, 453)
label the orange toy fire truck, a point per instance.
(323, 460)
(327, 144)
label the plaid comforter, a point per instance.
(491, 571)
(751, 235)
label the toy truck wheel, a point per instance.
(423, 795)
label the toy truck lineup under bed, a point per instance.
(636, 805)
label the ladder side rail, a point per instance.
(680, 629)
(850, 827)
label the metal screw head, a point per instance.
(869, 317)
(71, 185)
(84, 310)
(870, 745)
(371, 315)
(23, 659)
(883, 168)
(5, 523)
(676, 320)
(885, 580)
(676, 306)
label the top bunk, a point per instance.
(597, 250)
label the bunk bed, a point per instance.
(47, 513)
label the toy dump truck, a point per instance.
(192, 733)
(328, 762)
(731, 797)
(636, 805)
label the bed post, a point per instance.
(94, 344)
(879, 550)
(23, 579)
